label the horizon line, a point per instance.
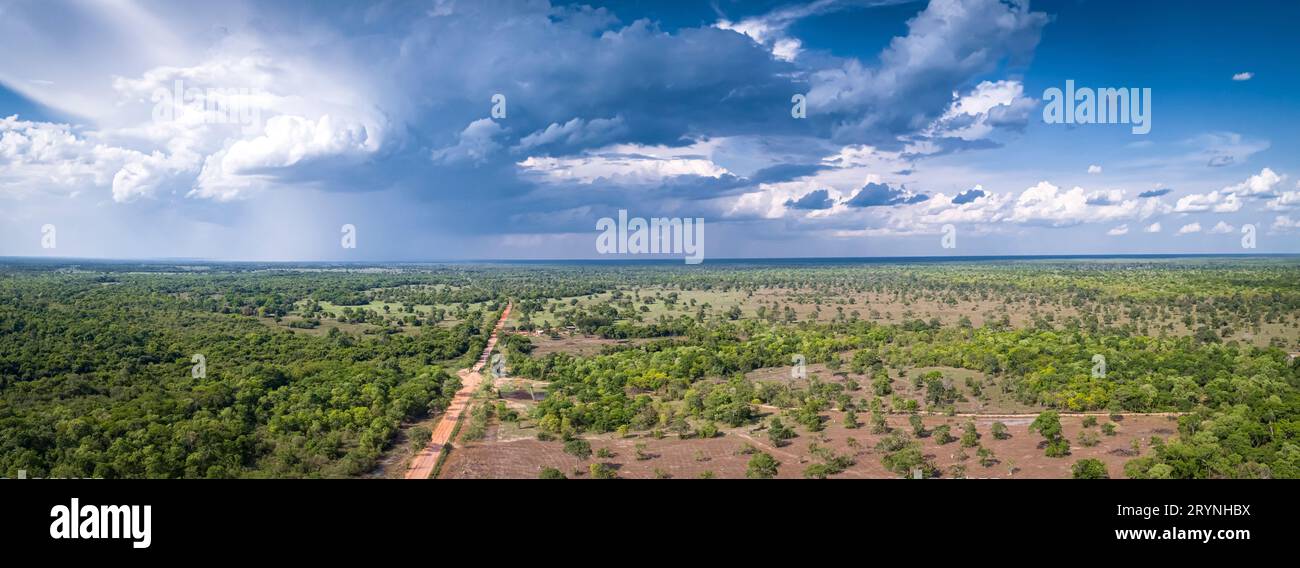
(647, 259)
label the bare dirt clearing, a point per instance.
(722, 456)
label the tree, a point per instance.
(1089, 468)
(817, 471)
(942, 434)
(999, 431)
(706, 430)
(420, 437)
(778, 432)
(578, 448)
(970, 437)
(602, 471)
(1089, 439)
(908, 460)
(551, 473)
(918, 426)
(1048, 424)
(762, 466)
(850, 419)
(878, 424)
(880, 384)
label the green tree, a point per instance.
(999, 431)
(762, 466)
(878, 423)
(970, 437)
(778, 432)
(420, 437)
(918, 425)
(1048, 424)
(1089, 468)
(578, 448)
(942, 434)
(602, 471)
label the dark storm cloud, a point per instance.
(968, 196)
(880, 195)
(949, 46)
(813, 200)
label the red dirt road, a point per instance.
(423, 463)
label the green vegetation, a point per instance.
(578, 448)
(314, 370)
(125, 375)
(420, 437)
(1048, 424)
(762, 466)
(999, 431)
(1089, 469)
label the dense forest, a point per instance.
(98, 378)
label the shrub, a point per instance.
(602, 471)
(578, 448)
(762, 466)
(420, 437)
(999, 431)
(943, 434)
(1089, 468)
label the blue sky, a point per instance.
(297, 118)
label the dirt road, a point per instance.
(423, 463)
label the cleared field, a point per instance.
(1020, 456)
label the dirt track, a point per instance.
(423, 463)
